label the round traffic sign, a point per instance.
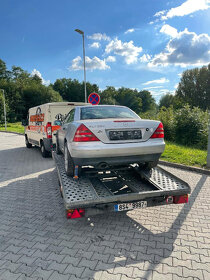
(94, 98)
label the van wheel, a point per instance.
(57, 149)
(44, 152)
(69, 163)
(28, 145)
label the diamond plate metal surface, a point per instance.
(74, 190)
(164, 180)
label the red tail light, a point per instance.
(83, 134)
(159, 132)
(181, 199)
(75, 213)
(49, 130)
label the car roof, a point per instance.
(96, 106)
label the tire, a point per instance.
(44, 152)
(28, 145)
(57, 149)
(69, 163)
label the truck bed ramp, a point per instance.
(99, 190)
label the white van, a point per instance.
(42, 122)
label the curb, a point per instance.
(185, 167)
(18, 133)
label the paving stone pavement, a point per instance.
(38, 242)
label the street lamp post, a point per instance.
(208, 147)
(83, 40)
(5, 113)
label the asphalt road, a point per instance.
(38, 242)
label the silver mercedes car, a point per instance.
(107, 135)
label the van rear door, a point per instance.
(58, 113)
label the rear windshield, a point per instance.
(107, 112)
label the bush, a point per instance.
(191, 127)
(166, 116)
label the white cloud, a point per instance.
(110, 58)
(169, 30)
(153, 87)
(157, 94)
(37, 73)
(129, 30)
(145, 58)
(99, 37)
(95, 45)
(160, 13)
(187, 48)
(159, 81)
(90, 63)
(127, 49)
(186, 8)
(176, 86)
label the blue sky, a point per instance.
(130, 43)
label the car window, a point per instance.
(70, 117)
(107, 112)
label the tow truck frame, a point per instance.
(118, 189)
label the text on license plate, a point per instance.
(130, 206)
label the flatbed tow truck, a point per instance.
(118, 189)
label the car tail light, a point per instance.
(181, 199)
(83, 134)
(49, 130)
(75, 213)
(159, 132)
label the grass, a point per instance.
(13, 127)
(173, 152)
(184, 155)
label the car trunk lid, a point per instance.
(111, 131)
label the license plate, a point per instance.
(130, 206)
(125, 135)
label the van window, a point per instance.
(70, 117)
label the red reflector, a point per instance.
(83, 134)
(125, 121)
(181, 199)
(76, 213)
(49, 130)
(159, 132)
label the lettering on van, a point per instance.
(38, 118)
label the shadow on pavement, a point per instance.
(35, 210)
(19, 162)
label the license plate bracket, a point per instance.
(125, 134)
(130, 206)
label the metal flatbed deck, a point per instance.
(99, 190)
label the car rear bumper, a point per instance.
(95, 152)
(122, 160)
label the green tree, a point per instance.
(194, 88)
(73, 90)
(148, 102)
(129, 97)
(36, 94)
(108, 96)
(166, 100)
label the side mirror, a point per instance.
(58, 122)
(24, 122)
